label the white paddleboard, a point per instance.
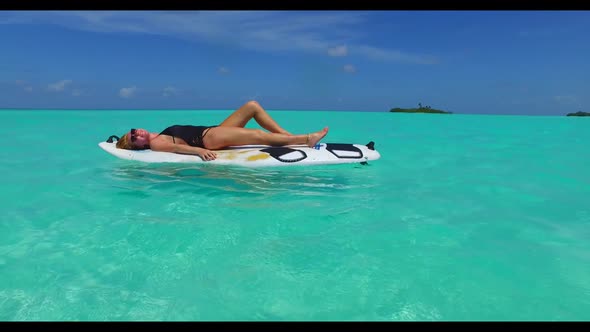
(259, 155)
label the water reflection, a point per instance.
(229, 180)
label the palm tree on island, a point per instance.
(579, 114)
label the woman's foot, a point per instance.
(313, 139)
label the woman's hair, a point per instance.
(125, 143)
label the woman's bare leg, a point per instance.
(250, 110)
(221, 137)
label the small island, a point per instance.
(420, 109)
(579, 114)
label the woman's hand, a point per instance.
(167, 146)
(207, 155)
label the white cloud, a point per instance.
(262, 31)
(27, 88)
(169, 91)
(223, 70)
(349, 69)
(396, 56)
(338, 51)
(566, 99)
(127, 92)
(58, 86)
(78, 93)
(7, 18)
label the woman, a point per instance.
(202, 140)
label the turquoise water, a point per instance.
(465, 217)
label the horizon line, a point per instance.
(174, 109)
(268, 109)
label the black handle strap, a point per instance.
(110, 139)
(278, 152)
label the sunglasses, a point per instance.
(132, 135)
(134, 138)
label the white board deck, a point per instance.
(259, 155)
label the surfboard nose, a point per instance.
(372, 155)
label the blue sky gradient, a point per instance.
(480, 62)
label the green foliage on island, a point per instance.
(579, 114)
(420, 109)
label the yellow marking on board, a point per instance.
(229, 155)
(259, 156)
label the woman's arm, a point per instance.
(182, 148)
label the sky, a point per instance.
(468, 62)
